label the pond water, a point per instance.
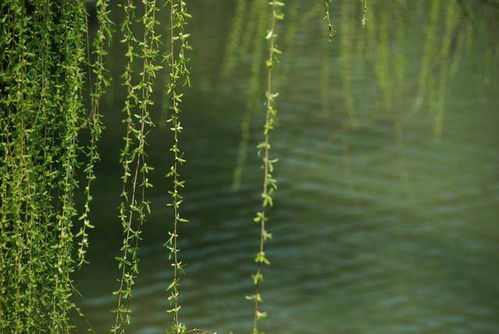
(380, 227)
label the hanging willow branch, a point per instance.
(259, 18)
(74, 23)
(269, 183)
(327, 18)
(231, 52)
(102, 39)
(15, 111)
(364, 14)
(179, 71)
(428, 55)
(346, 58)
(439, 92)
(134, 207)
(126, 160)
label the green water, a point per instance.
(381, 228)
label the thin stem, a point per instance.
(269, 183)
(327, 18)
(179, 70)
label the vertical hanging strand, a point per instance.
(428, 55)
(102, 39)
(5, 237)
(382, 65)
(327, 18)
(347, 68)
(126, 159)
(6, 263)
(451, 35)
(74, 23)
(400, 33)
(179, 74)
(259, 19)
(134, 207)
(325, 73)
(16, 168)
(364, 13)
(51, 126)
(36, 184)
(250, 28)
(399, 77)
(231, 52)
(269, 183)
(297, 17)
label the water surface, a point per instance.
(378, 228)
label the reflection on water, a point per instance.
(386, 215)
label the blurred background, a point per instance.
(386, 218)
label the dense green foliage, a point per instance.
(42, 78)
